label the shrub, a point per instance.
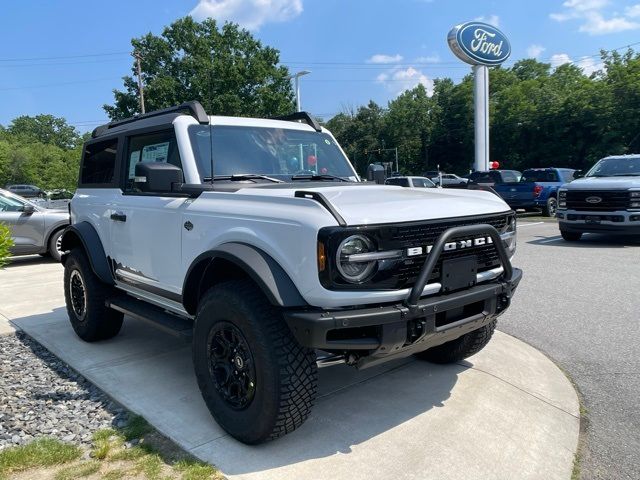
(5, 243)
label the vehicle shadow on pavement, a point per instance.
(28, 260)
(589, 240)
(151, 374)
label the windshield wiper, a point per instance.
(317, 177)
(242, 176)
(626, 174)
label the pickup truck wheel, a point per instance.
(460, 348)
(571, 236)
(85, 297)
(549, 210)
(256, 380)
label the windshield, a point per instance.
(275, 152)
(616, 167)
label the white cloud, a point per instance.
(592, 16)
(534, 51)
(633, 11)
(587, 64)
(382, 58)
(399, 79)
(250, 14)
(596, 24)
(491, 20)
(559, 59)
(435, 58)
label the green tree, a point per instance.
(44, 129)
(226, 69)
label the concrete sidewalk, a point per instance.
(506, 413)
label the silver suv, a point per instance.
(33, 229)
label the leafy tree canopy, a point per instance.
(225, 68)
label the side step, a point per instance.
(158, 317)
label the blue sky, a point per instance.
(356, 49)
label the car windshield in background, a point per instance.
(539, 176)
(616, 167)
(423, 183)
(274, 152)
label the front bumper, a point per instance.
(621, 222)
(390, 331)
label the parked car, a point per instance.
(492, 178)
(34, 229)
(256, 239)
(55, 199)
(606, 200)
(450, 180)
(537, 189)
(411, 182)
(25, 191)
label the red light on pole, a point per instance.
(494, 165)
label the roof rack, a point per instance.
(308, 119)
(194, 108)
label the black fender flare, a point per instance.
(255, 263)
(85, 235)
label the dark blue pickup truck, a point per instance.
(537, 189)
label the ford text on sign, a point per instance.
(479, 43)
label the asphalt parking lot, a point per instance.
(582, 309)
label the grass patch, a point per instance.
(135, 451)
(194, 470)
(43, 452)
(74, 472)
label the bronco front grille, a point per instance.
(598, 200)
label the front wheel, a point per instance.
(571, 236)
(85, 296)
(549, 210)
(256, 380)
(55, 245)
(460, 348)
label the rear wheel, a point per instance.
(256, 380)
(85, 296)
(549, 210)
(571, 236)
(460, 348)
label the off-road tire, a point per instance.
(571, 236)
(285, 373)
(460, 348)
(52, 248)
(549, 210)
(97, 322)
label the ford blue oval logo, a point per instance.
(479, 43)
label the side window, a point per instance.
(99, 162)
(9, 204)
(160, 147)
(509, 177)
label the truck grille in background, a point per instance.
(427, 234)
(611, 200)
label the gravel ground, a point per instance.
(42, 396)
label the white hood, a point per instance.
(373, 204)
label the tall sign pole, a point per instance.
(481, 116)
(481, 45)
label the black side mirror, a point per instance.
(578, 174)
(28, 209)
(157, 177)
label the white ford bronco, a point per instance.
(257, 241)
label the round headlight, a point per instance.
(352, 268)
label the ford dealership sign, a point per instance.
(479, 43)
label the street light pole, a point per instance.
(296, 77)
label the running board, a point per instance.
(158, 317)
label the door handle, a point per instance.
(119, 217)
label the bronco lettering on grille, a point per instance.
(451, 246)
